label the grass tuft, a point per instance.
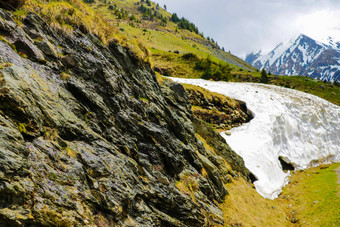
(68, 15)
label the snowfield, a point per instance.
(302, 129)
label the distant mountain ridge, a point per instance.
(301, 55)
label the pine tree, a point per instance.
(264, 76)
(174, 18)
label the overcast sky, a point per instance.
(243, 26)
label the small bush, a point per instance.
(212, 70)
(11, 4)
(190, 56)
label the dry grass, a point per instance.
(68, 15)
(188, 185)
(212, 95)
(245, 207)
(65, 16)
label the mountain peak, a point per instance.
(250, 58)
(302, 55)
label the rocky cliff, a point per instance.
(89, 138)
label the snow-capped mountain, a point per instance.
(302, 55)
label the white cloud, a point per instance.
(246, 25)
(320, 24)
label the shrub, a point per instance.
(11, 4)
(203, 64)
(190, 56)
(133, 18)
(212, 70)
(148, 2)
(219, 72)
(264, 76)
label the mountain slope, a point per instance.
(301, 56)
(88, 137)
(154, 27)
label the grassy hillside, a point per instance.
(156, 31)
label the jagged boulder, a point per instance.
(47, 48)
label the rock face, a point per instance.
(221, 111)
(301, 56)
(89, 138)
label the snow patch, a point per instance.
(301, 128)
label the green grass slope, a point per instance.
(155, 29)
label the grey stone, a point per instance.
(47, 48)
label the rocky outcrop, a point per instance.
(221, 111)
(89, 138)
